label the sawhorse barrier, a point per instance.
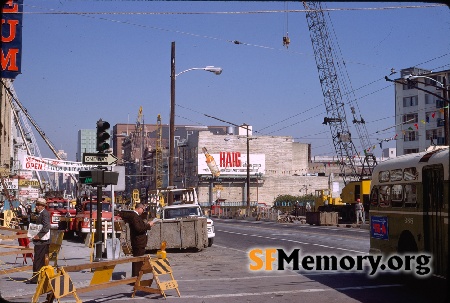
(158, 267)
(58, 284)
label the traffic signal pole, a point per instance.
(99, 177)
(98, 225)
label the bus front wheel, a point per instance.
(407, 243)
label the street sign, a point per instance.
(99, 159)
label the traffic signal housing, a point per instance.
(102, 135)
(98, 177)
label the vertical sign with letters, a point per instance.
(11, 53)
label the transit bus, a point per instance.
(409, 205)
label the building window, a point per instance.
(431, 134)
(410, 118)
(411, 136)
(410, 101)
(411, 84)
(439, 103)
(430, 99)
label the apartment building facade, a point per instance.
(420, 109)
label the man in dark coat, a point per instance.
(41, 247)
(138, 234)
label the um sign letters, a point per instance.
(11, 53)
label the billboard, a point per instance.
(11, 52)
(233, 163)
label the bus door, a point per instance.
(433, 223)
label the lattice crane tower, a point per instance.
(329, 81)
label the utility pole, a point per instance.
(172, 123)
(248, 171)
(446, 110)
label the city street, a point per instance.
(221, 273)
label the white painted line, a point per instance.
(298, 242)
(281, 292)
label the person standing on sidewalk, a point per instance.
(138, 234)
(41, 247)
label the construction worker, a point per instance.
(359, 208)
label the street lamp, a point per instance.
(173, 76)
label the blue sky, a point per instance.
(77, 68)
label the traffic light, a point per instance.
(102, 135)
(85, 177)
(98, 177)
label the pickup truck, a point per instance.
(175, 212)
(182, 224)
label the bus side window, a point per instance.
(410, 195)
(397, 195)
(374, 196)
(385, 196)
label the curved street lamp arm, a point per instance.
(213, 69)
(416, 87)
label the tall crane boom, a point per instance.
(24, 115)
(336, 117)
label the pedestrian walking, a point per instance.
(359, 208)
(138, 234)
(41, 241)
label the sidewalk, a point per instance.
(14, 289)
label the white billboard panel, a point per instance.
(233, 163)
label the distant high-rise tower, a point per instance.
(86, 142)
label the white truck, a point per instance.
(183, 224)
(177, 211)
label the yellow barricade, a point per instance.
(59, 284)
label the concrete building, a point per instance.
(419, 115)
(86, 142)
(278, 166)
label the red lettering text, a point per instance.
(9, 62)
(14, 8)
(230, 159)
(12, 30)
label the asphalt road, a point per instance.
(221, 273)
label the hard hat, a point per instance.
(357, 200)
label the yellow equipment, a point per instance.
(356, 190)
(325, 197)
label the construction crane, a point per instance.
(159, 164)
(326, 61)
(138, 133)
(24, 116)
